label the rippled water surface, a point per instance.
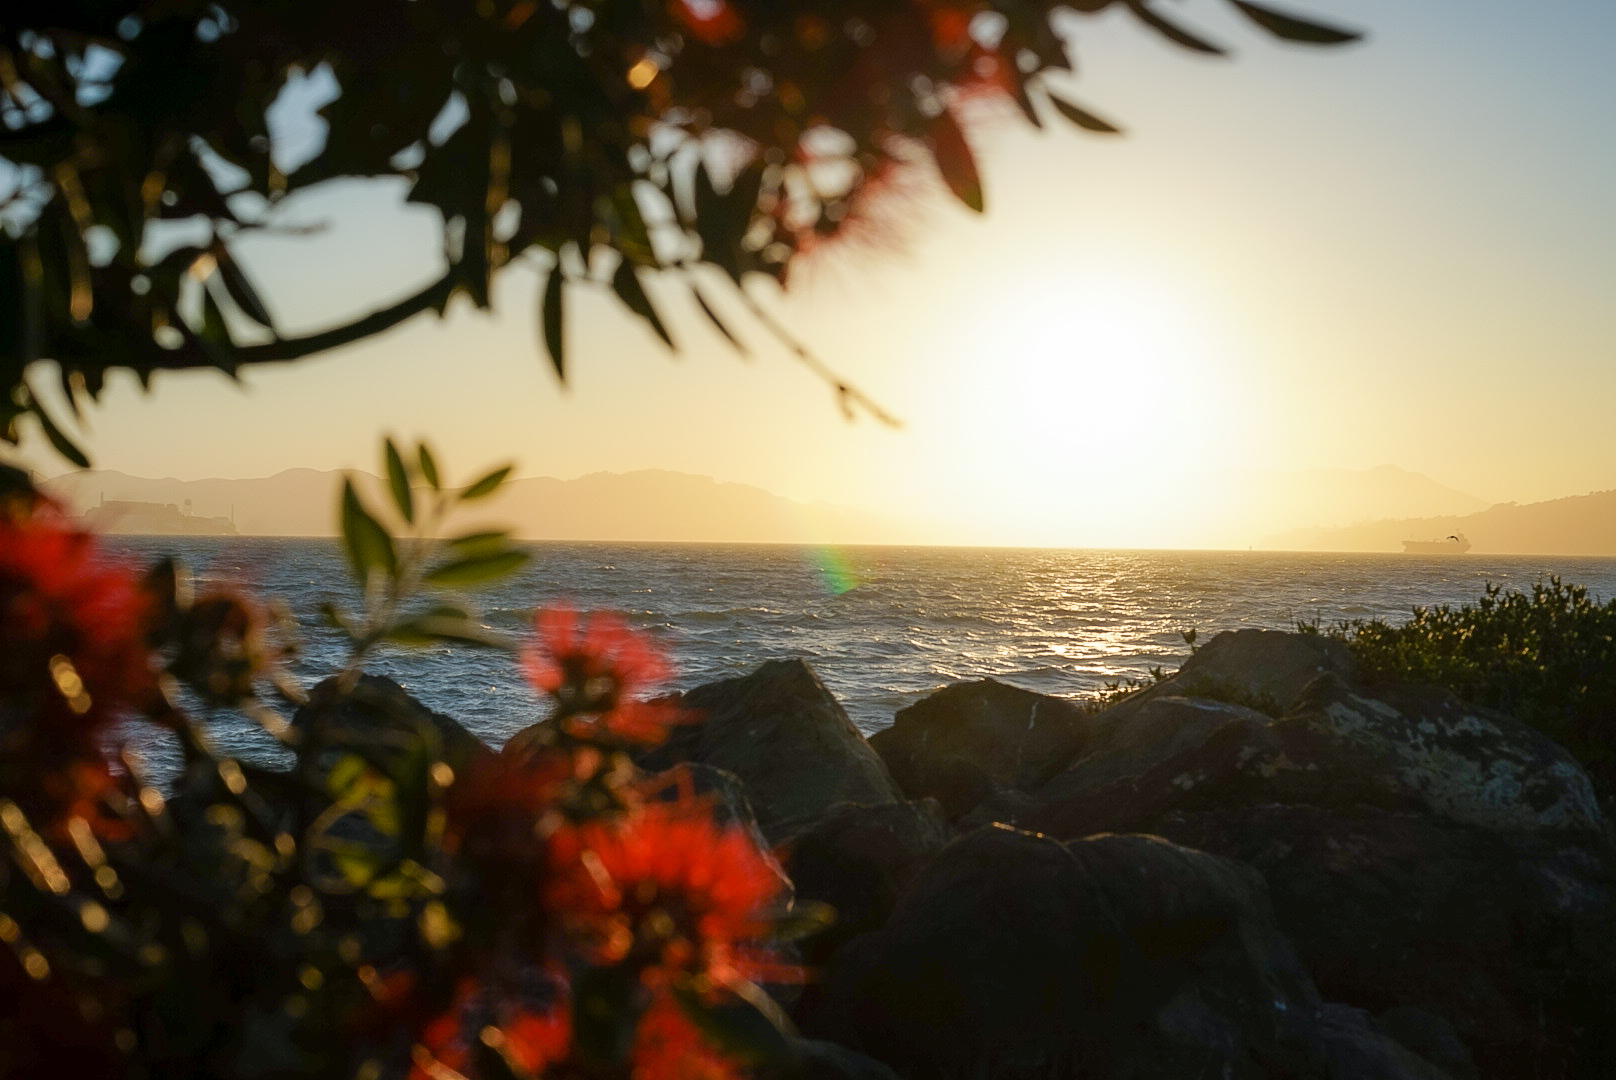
(883, 626)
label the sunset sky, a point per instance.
(1400, 252)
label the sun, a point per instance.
(1078, 400)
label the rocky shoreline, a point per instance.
(1260, 867)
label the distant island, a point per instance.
(1578, 525)
(128, 517)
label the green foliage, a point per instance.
(1547, 657)
(138, 155)
(394, 573)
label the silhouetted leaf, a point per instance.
(1292, 28)
(476, 569)
(64, 446)
(398, 480)
(1082, 117)
(1176, 34)
(712, 316)
(550, 319)
(367, 543)
(429, 466)
(241, 289)
(488, 484)
(955, 162)
(806, 917)
(444, 624)
(626, 284)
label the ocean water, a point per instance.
(883, 626)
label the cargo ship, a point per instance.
(1448, 545)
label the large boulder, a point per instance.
(971, 740)
(1014, 955)
(788, 741)
(1421, 854)
(382, 716)
(1468, 763)
(1264, 669)
(1131, 743)
(859, 860)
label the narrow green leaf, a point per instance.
(368, 545)
(398, 479)
(336, 618)
(488, 484)
(712, 316)
(1083, 118)
(551, 321)
(479, 543)
(429, 466)
(806, 918)
(626, 284)
(1172, 32)
(213, 329)
(476, 569)
(1292, 28)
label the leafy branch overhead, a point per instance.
(138, 152)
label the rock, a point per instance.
(1467, 763)
(815, 1059)
(788, 741)
(1508, 938)
(375, 707)
(859, 860)
(1431, 1037)
(1013, 955)
(1266, 670)
(1134, 742)
(967, 741)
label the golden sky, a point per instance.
(1397, 252)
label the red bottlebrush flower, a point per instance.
(712, 22)
(73, 651)
(493, 809)
(951, 27)
(531, 1025)
(594, 666)
(669, 1046)
(665, 887)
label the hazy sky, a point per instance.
(1397, 252)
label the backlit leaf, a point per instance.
(429, 466)
(712, 316)
(367, 543)
(488, 484)
(476, 569)
(1172, 32)
(240, 288)
(398, 480)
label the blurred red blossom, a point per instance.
(712, 22)
(531, 1029)
(665, 886)
(669, 1046)
(73, 651)
(594, 665)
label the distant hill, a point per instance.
(1236, 507)
(650, 504)
(1578, 525)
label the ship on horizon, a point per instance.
(1447, 545)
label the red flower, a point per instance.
(73, 650)
(73, 656)
(594, 666)
(712, 22)
(668, 1046)
(531, 1027)
(665, 887)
